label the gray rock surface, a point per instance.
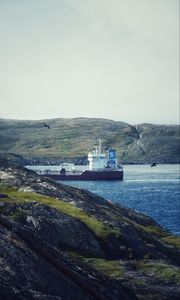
(135, 246)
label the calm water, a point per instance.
(154, 191)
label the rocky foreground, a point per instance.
(59, 242)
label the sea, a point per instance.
(154, 191)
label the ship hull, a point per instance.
(89, 176)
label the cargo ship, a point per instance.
(101, 166)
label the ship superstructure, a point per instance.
(101, 166)
(99, 160)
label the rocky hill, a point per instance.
(51, 141)
(60, 242)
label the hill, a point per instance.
(60, 242)
(74, 138)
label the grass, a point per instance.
(110, 268)
(155, 230)
(98, 227)
(159, 271)
(72, 138)
(175, 240)
(164, 237)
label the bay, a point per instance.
(154, 191)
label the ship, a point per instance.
(101, 166)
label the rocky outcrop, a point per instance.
(33, 270)
(43, 223)
(159, 143)
(55, 228)
(26, 275)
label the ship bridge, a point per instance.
(97, 160)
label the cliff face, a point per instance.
(74, 138)
(83, 245)
(159, 143)
(27, 275)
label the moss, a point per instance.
(159, 271)
(173, 240)
(98, 227)
(139, 282)
(108, 267)
(161, 234)
(155, 230)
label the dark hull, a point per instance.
(89, 175)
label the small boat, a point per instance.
(101, 166)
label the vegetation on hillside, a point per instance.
(74, 138)
(98, 227)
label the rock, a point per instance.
(30, 274)
(57, 229)
(77, 224)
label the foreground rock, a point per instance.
(86, 231)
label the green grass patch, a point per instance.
(144, 269)
(172, 240)
(98, 227)
(110, 268)
(163, 235)
(159, 270)
(155, 230)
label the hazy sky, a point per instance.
(115, 59)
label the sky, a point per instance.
(113, 59)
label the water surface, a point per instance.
(153, 191)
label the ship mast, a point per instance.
(100, 146)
